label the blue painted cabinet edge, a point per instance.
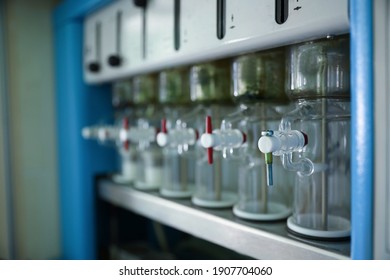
(362, 126)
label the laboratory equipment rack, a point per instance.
(259, 240)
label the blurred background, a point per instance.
(29, 215)
(49, 174)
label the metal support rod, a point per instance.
(218, 179)
(267, 179)
(183, 172)
(264, 190)
(324, 181)
(218, 163)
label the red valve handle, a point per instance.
(306, 138)
(164, 126)
(125, 124)
(209, 130)
(196, 134)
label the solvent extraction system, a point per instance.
(249, 117)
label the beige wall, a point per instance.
(29, 45)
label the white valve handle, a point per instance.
(124, 135)
(87, 132)
(177, 137)
(282, 142)
(162, 139)
(220, 139)
(101, 133)
(208, 140)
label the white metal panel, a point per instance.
(128, 36)
(109, 35)
(159, 29)
(131, 34)
(254, 22)
(198, 25)
(244, 21)
(250, 26)
(91, 52)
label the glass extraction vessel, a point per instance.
(313, 140)
(125, 118)
(110, 134)
(216, 179)
(258, 90)
(149, 114)
(178, 162)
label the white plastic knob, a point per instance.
(123, 135)
(102, 134)
(282, 142)
(86, 132)
(162, 139)
(207, 140)
(269, 144)
(220, 139)
(177, 137)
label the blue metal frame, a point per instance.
(362, 149)
(77, 105)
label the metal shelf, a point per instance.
(258, 240)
